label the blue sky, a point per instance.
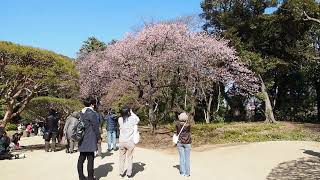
(62, 25)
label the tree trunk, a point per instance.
(317, 87)
(7, 117)
(268, 107)
(152, 123)
(185, 99)
(193, 109)
(218, 102)
(208, 111)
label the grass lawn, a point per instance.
(226, 133)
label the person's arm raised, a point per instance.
(134, 116)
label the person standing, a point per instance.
(184, 143)
(100, 121)
(88, 145)
(51, 130)
(127, 123)
(29, 129)
(71, 122)
(35, 128)
(111, 130)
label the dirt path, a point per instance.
(242, 162)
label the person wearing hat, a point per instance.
(183, 128)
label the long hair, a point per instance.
(125, 113)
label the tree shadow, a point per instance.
(312, 153)
(105, 154)
(300, 169)
(103, 170)
(34, 147)
(137, 167)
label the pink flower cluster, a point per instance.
(154, 57)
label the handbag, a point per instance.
(136, 135)
(175, 137)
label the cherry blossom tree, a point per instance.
(164, 55)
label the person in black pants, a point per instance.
(51, 130)
(88, 145)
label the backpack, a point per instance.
(78, 130)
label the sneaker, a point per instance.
(129, 177)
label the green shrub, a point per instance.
(39, 107)
(11, 127)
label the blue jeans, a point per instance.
(111, 140)
(184, 154)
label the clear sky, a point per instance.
(62, 25)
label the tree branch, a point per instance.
(308, 18)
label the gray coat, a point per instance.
(71, 122)
(92, 134)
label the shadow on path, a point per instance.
(137, 167)
(103, 170)
(300, 169)
(59, 147)
(177, 167)
(312, 153)
(105, 154)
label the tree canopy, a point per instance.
(161, 56)
(27, 72)
(278, 46)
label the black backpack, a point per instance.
(78, 130)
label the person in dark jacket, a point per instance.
(111, 130)
(88, 145)
(4, 145)
(100, 121)
(51, 130)
(184, 143)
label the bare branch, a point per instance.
(308, 18)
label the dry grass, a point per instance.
(226, 133)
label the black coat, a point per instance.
(92, 134)
(51, 124)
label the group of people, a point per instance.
(127, 124)
(31, 128)
(7, 144)
(92, 138)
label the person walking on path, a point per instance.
(88, 145)
(71, 122)
(111, 130)
(184, 143)
(127, 123)
(51, 130)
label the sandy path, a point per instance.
(242, 162)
